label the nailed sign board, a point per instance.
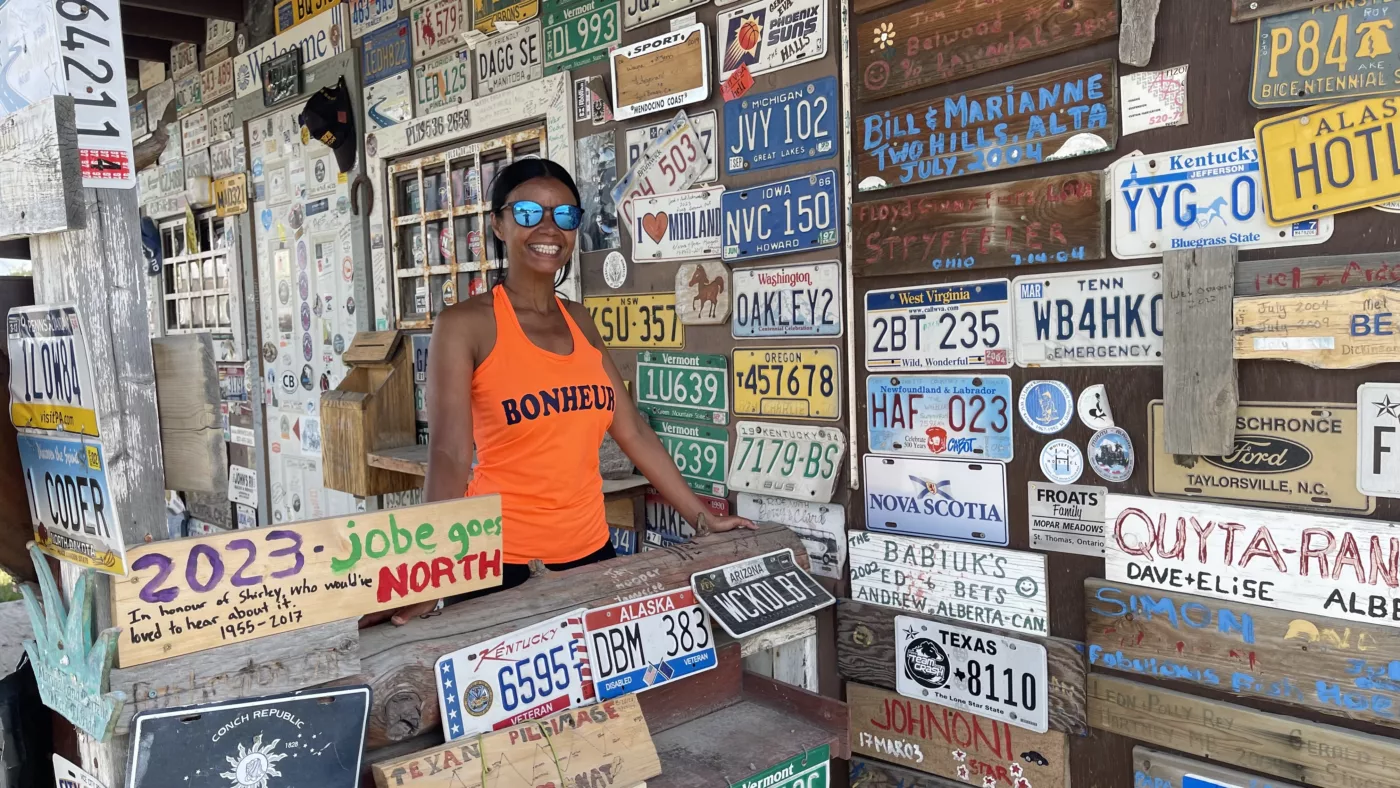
(510, 58)
(676, 226)
(690, 386)
(51, 384)
(189, 95)
(1286, 454)
(802, 300)
(231, 195)
(702, 293)
(964, 416)
(638, 644)
(1059, 115)
(390, 101)
(820, 526)
(69, 775)
(187, 595)
(1378, 450)
(786, 126)
(1066, 518)
(816, 453)
(977, 584)
(759, 593)
(216, 81)
(194, 132)
(320, 37)
(664, 72)
(949, 499)
(1059, 219)
(788, 382)
(92, 51)
(959, 326)
(444, 81)
(793, 215)
(486, 13)
(1165, 770)
(770, 35)
(367, 16)
(1315, 274)
(994, 676)
(281, 77)
(1345, 330)
(1359, 57)
(1104, 317)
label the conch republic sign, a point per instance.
(188, 595)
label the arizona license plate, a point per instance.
(787, 460)
(756, 593)
(704, 124)
(781, 127)
(770, 35)
(787, 301)
(792, 215)
(677, 226)
(788, 382)
(684, 386)
(700, 452)
(1205, 196)
(638, 644)
(949, 499)
(579, 33)
(961, 326)
(646, 320)
(444, 81)
(993, 676)
(1105, 317)
(941, 415)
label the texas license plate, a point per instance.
(948, 499)
(444, 81)
(787, 460)
(1106, 317)
(794, 32)
(704, 124)
(646, 320)
(961, 326)
(684, 386)
(787, 301)
(638, 644)
(992, 676)
(700, 452)
(781, 127)
(579, 33)
(965, 416)
(792, 215)
(676, 226)
(788, 382)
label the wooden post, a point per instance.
(39, 175)
(1137, 31)
(1200, 388)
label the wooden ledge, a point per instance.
(414, 460)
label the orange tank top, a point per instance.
(538, 419)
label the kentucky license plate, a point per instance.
(781, 127)
(770, 35)
(684, 386)
(793, 215)
(948, 499)
(638, 644)
(1106, 317)
(993, 676)
(704, 124)
(961, 326)
(941, 415)
(646, 320)
(444, 81)
(579, 33)
(787, 301)
(788, 382)
(700, 452)
(787, 460)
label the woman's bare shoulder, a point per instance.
(468, 325)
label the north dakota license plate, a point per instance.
(966, 416)
(638, 644)
(948, 499)
(787, 460)
(700, 452)
(788, 382)
(787, 301)
(1102, 317)
(646, 320)
(961, 326)
(793, 215)
(684, 386)
(781, 127)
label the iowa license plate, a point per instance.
(700, 452)
(647, 320)
(992, 676)
(786, 460)
(948, 499)
(793, 215)
(966, 416)
(684, 386)
(1104, 317)
(638, 644)
(788, 382)
(787, 301)
(1323, 160)
(781, 127)
(961, 326)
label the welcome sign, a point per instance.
(322, 36)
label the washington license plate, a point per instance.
(947, 499)
(787, 460)
(793, 215)
(646, 320)
(638, 644)
(961, 326)
(965, 416)
(781, 127)
(1104, 317)
(684, 386)
(788, 382)
(700, 452)
(787, 301)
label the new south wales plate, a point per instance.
(962, 326)
(801, 300)
(786, 126)
(966, 416)
(793, 215)
(1100, 317)
(638, 644)
(947, 499)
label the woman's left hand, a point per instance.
(722, 524)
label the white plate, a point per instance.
(786, 460)
(508, 59)
(670, 164)
(991, 676)
(1378, 450)
(787, 301)
(947, 499)
(444, 81)
(967, 325)
(704, 122)
(678, 226)
(788, 33)
(638, 644)
(1106, 317)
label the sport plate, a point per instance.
(793, 215)
(781, 127)
(684, 386)
(638, 644)
(788, 382)
(787, 301)
(645, 320)
(700, 452)
(786, 460)
(579, 33)
(949, 499)
(770, 35)
(992, 676)
(1104, 317)
(759, 593)
(677, 226)
(963, 326)
(660, 73)
(1358, 56)
(941, 415)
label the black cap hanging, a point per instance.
(328, 117)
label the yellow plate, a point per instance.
(788, 382)
(1347, 156)
(646, 320)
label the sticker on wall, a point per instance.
(615, 270)
(665, 72)
(1111, 454)
(1061, 461)
(596, 169)
(770, 35)
(948, 499)
(702, 293)
(509, 59)
(1094, 410)
(1046, 406)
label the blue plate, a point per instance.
(964, 416)
(781, 127)
(386, 51)
(791, 215)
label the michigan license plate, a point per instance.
(961, 326)
(792, 215)
(787, 301)
(684, 386)
(700, 452)
(1103, 317)
(646, 320)
(965, 416)
(781, 127)
(788, 382)
(787, 460)
(638, 644)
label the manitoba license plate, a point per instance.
(992, 676)
(684, 386)
(638, 644)
(781, 127)
(787, 301)
(701, 453)
(787, 460)
(1104, 317)
(948, 499)
(788, 382)
(646, 320)
(961, 326)
(964, 416)
(786, 216)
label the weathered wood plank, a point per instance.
(768, 639)
(733, 743)
(187, 393)
(1287, 747)
(1345, 330)
(865, 650)
(1156, 769)
(1200, 388)
(1247, 10)
(41, 185)
(1316, 274)
(1137, 32)
(866, 773)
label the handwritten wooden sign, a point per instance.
(1154, 769)
(873, 774)
(951, 743)
(1316, 274)
(40, 176)
(665, 72)
(192, 594)
(1346, 330)
(1059, 219)
(702, 293)
(231, 195)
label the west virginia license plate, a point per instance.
(788, 382)
(781, 127)
(967, 416)
(792, 215)
(646, 320)
(961, 326)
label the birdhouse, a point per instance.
(371, 409)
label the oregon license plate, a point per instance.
(684, 386)
(947, 499)
(965, 416)
(701, 453)
(787, 460)
(704, 124)
(989, 675)
(1323, 160)
(781, 127)
(579, 33)
(646, 320)
(788, 382)
(1104, 317)
(443, 81)
(792, 215)
(961, 326)
(787, 301)
(638, 644)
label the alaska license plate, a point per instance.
(638, 644)
(788, 382)
(787, 301)
(992, 676)
(781, 127)
(700, 452)
(784, 33)
(646, 320)
(963, 326)
(1106, 317)
(444, 81)
(704, 124)
(1313, 160)
(787, 460)
(947, 499)
(684, 386)
(967, 416)
(579, 33)
(792, 215)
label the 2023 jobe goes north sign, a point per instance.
(192, 594)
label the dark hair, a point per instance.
(521, 171)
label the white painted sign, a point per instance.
(677, 226)
(949, 499)
(639, 138)
(444, 81)
(194, 132)
(243, 485)
(388, 101)
(658, 91)
(820, 526)
(1378, 450)
(811, 476)
(324, 35)
(1101, 317)
(511, 58)
(157, 99)
(1066, 518)
(437, 27)
(770, 35)
(801, 300)
(993, 676)
(671, 164)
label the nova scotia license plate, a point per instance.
(792, 215)
(947, 499)
(966, 416)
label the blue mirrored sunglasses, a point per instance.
(528, 213)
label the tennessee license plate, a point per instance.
(1105, 317)
(792, 215)
(646, 320)
(961, 326)
(1323, 160)
(700, 452)
(1358, 57)
(965, 416)
(787, 382)
(684, 386)
(947, 499)
(787, 301)
(781, 127)
(787, 460)
(638, 644)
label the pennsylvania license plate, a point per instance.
(444, 81)
(961, 326)
(793, 215)
(784, 33)
(992, 676)
(684, 386)
(1315, 161)
(1105, 317)
(787, 301)
(700, 452)
(704, 124)
(579, 33)
(638, 644)
(646, 320)
(787, 460)
(781, 127)
(964, 416)
(948, 499)
(1323, 55)
(788, 382)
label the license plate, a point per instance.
(636, 13)
(961, 326)
(684, 386)
(389, 101)
(1205, 196)
(486, 13)
(820, 526)
(770, 35)
(1315, 163)
(386, 52)
(701, 453)
(948, 499)
(92, 52)
(1356, 58)
(992, 676)
(660, 73)
(369, 15)
(793, 215)
(579, 33)
(781, 127)
(941, 415)
(704, 122)
(444, 81)
(677, 226)
(51, 385)
(1378, 451)
(624, 540)
(437, 27)
(663, 519)
(787, 460)
(508, 59)
(1106, 317)
(636, 645)
(70, 501)
(524, 675)
(788, 382)
(758, 593)
(669, 165)
(787, 301)
(646, 320)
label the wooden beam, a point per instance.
(1200, 387)
(187, 392)
(162, 25)
(1166, 770)
(1246, 10)
(227, 10)
(1138, 31)
(145, 48)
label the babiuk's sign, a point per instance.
(1345, 330)
(1329, 566)
(192, 594)
(50, 376)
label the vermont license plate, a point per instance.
(638, 644)
(704, 124)
(579, 33)
(684, 386)
(948, 499)
(961, 326)
(781, 127)
(966, 416)
(788, 382)
(992, 676)
(770, 35)
(701, 453)
(787, 460)
(646, 320)
(787, 301)
(444, 81)
(1103, 317)
(677, 226)
(792, 215)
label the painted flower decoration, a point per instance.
(959, 756)
(989, 782)
(884, 35)
(962, 772)
(1016, 770)
(1023, 783)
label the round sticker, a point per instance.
(342, 205)
(1111, 454)
(350, 305)
(371, 145)
(294, 217)
(269, 352)
(284, 292)
(301, 260)
(1046, 406)
(305, 316)
(926, 663)
(1093, 407)
(339, 344)
(306, 377)
(615, 270)
(289, 382)
(477, 698)
(1061, 461)
(319, 171)
(306, 347)
(347, 268)
(241, 43)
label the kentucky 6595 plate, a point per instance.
(801, 300)
(1104, 317)
(961, 326)
(989, 675)
(965, 416)
(949, 499)
(786, 460)
(770, 35)
(638, 644)
(676, 226)
(792, 215)
(786, 126)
